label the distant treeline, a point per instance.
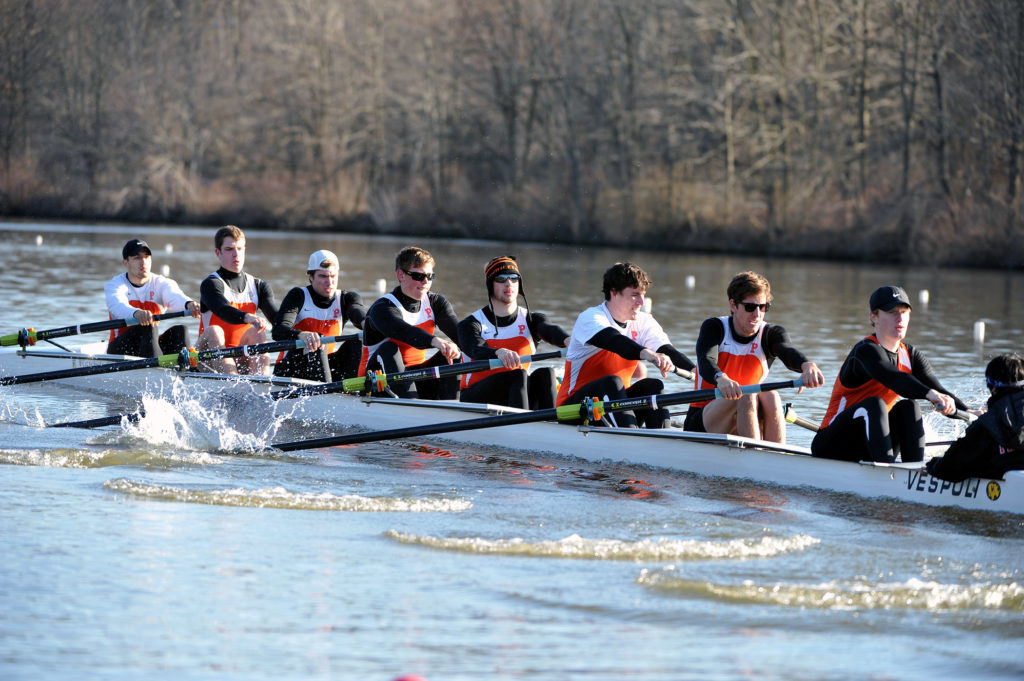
(886, 130)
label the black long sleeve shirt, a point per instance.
(384, 321)
(212, 298)
(472, 343)
(352, 310)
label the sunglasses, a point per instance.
(502, 278)
(750, 307)
(421, 276)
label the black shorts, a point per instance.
(694, 421)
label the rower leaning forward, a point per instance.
(141, 294)
(401, 326)
(321, 309)
(872, 414)
(230, 299)
(503, 329)
(608, 343)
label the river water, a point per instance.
(147, 552)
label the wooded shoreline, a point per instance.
(882, 131)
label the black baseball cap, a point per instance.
(133, 247)
(888, 297)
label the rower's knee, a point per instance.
(211, 339)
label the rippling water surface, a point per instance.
(178, 548)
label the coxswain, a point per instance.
(994, 443)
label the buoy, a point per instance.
(691, 281)
(382, 285)
(169, 248)
(979, 332)
(923, 296)
(648, 305)
(165, 270)
(39, 239)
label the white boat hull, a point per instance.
(723, 456)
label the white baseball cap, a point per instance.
(322, 260)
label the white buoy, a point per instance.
(169, 248)
(979, 332)
(923, 296)
(648, 305)
(691, 281)
(39, 239)
(165, 270)
(382, 285)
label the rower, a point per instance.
(400, 327)
(504, 330)
(230, 299)
(739, 350)
(994, 443)
(607, 344)
(872, 414)
(320, 309)
(141, 294)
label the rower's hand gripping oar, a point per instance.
(378, 382)
(587, 411)
(188, 358)
(30, 336)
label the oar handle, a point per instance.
(792, 417)
(27, 337)
(683, 373)
(963, 416)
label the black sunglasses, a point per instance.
(502, 278)
(421, 276)
(750, 307)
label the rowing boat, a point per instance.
(710, 455)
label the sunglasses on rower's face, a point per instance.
(421, 276)
(502, 278)
(750, 307)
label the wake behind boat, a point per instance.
(710, 455)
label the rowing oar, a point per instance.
(378, 382)
(586, 411)
(188, 358)
(683, 373)
(115, 420)
(352, 385)
(27, 337)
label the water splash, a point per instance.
(575, 546)
(913, 594)
(233, 418)
(279, 497)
